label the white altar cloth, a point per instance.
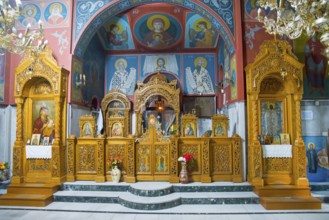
(277, 151)
(38, 152)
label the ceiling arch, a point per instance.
(115, 8)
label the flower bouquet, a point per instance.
(114, 162)
(189, 160)
(4, 171)
(187, 165)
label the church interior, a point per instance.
(162, 107)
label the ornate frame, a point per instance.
(116, 120)
(110, 114)
(40, 78)
(276, 73)
(87, 120)
(189, 119)
(157, 85)
(221, 120)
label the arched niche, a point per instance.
(159, 86)
(275, 78)
(40, 86)
(116, 109)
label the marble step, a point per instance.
(130, 200)
(323, 196)
(153, 189)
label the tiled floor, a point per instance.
(80, 211)
(106, 211)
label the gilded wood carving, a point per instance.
(275, 76)
(116, 112)
(38, 79)
(156, 86)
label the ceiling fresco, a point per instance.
(143, 27)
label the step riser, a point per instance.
(20, 202)
(156, 206)
(30, 191)
(285, 206)
(283, 193)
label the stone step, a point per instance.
(156, 188)
(323, 196)
(130, 200)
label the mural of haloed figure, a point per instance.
(199, 32)
(198, 79)
(124, 75)
(116, 34)
(158, 31)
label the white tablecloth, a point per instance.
(277, 151)
(38, 152)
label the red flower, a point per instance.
(188, 157)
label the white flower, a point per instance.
(181, 159)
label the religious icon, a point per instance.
(189, 131)
(201, 35)
(199, 81)
(30, 15)
(285, 138)
(87, 130)
(117, 130)
(35, 139)
(271, 120)
(143, 166)
(44, 124)
(276, 139)
(55, 13)
(158, 37)
(46, 141)
(219, 131)
(121, 79)
(116, 36)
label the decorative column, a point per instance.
(256, 150)
(100, 164)
(237, 159)
(71, 141)
(174, 160)
(58, 104)
(130, 158)
(299, 149)
(19, 149)
(205, 178)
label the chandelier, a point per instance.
(293, 17)
(10, 39)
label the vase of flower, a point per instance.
(4, 171)
(115, 174)
(183, 175)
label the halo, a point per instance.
(205, 62)
(166, 22)
(120, 60)
(195, 25)
(156, 60)
(157, 34)
(53, 5)
(108, 25)
(309, 145)
(26, 7)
